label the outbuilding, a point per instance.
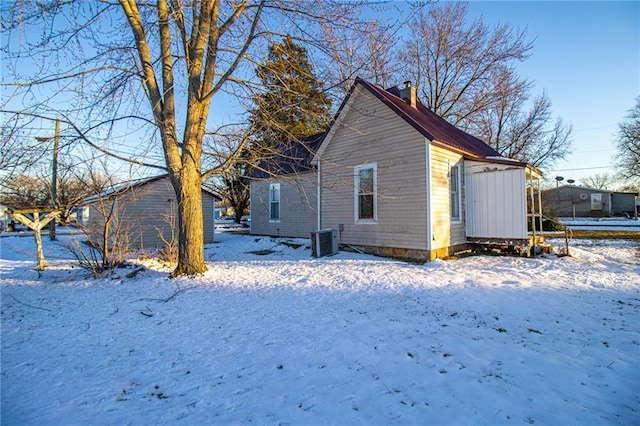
(580, 201)
(142, 214)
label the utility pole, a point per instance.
(573, 204)
(54, 176)
(54, 179)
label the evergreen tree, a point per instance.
(293, 104)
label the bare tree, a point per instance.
(24, 191)
(15, 157)
(599, 181)
(235, 188)
(170, 251)
(628, 187)
(74, 186)
(108, 245)
(353, 52)
(531, 136)
(453, 62)
(231, 185)
(497, 120)
(137, 80)
(33, 188)
(465, 72)
(628, 157)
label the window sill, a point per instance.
(366, 222)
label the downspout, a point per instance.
(428, 195)
(319, 195)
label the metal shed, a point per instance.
(502, 204)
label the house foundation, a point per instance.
(410, 255)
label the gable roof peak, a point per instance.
(428, 123)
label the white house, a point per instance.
(395, 179)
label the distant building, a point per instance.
(5, 217)
(579, 201)
(623, 204)
(145, 211)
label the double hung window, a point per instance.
(366, 193)
(454, 192)
(274, 202)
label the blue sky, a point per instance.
(587, 58)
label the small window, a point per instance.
(454, 191)
(274, 202)
(365, 192)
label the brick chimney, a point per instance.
(408, 93)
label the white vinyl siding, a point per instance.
(365, 195)
(274, 202)
(370, 133)
(446, 231)
(148, 214)
(298, 202)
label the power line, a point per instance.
(595, 128)
(582, 168)
(595, 150)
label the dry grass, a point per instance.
(600, 234)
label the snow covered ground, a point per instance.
(602, 224)
(351, 339)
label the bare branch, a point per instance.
(628, 157)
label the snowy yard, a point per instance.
(351, 339)
(606, 223)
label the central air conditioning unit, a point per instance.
(324, 243)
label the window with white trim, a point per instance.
(274, 202)
(454, 192)
(366, 193)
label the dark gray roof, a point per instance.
(289, 157)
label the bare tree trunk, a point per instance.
(182, 52)
(190, 223)
(106, 242)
